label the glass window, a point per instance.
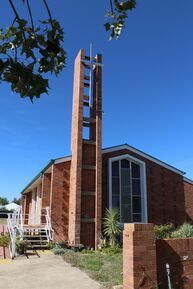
(115, 186)
(136, 187)
(137, 218)
(116, 202)
(136, 205)
(126, 190)
(115, 169)
(125, 164)
(135, 171)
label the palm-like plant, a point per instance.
(111, 225)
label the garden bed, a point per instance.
(103, 266)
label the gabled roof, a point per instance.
(108, 150)
(188, 181)
(58, 160)
(141, 153)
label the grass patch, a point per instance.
(104, 267)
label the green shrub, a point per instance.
(112, 250)
(59, 251)
(163, 231)
(51, 245)
(184, 231)
(112, 229)
(20, 246)
(4, 240)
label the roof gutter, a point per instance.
(38, 175)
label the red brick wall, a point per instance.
(165, 191)
(178, 254)
(139, 257)
(88, 234)
(46, 189)
(60, 200)
(28, 202)
(144, 259)
(88, 207)
(188, 190)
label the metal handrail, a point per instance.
(49, 228)
(15, 225)
(12, 234)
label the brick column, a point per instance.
(46, 190)
(98, 185)
(139, 257)
(76, 149)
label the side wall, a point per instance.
(143, 256)
(188, 190)
(165, 191)
(178, 254)
(60, 200)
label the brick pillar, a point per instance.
(28, 200)
(98, 185)
(86, 161)
(139, 257)
(76, 148)
(46, 190)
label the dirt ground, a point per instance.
(47, 272)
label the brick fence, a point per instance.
(144, 259)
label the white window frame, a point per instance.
(144, 216)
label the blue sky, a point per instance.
(147, 89)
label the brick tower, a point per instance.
(86, 163)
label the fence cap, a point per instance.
(138, 227)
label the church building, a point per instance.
(78, 188)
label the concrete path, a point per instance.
(47, 272)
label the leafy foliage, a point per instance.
(111, 225)
(117, 16)
(21, 246)
(3, 201)
(17, 201)
(184, 231)
(28, 53)
(163, 231)
(4, 240)
(169, 231)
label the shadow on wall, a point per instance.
(189, 219)
(174, 252)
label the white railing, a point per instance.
(49, 229)
(17, 222)
(12, 233)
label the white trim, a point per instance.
(61, 160)
(188, 180)
(143, 182)
(126, 146)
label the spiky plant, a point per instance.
(111, 225)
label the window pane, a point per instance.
(136, 187)
(135, 170)
(125, 213)
(136, 205)
(137, 218)
(125, 192)
(115, 168)
(115, 202)
(125, 164)
(125, 177)
(115, 186)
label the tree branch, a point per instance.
(30, 14)
(16, 15)
(111, 5)
(14, 10)
(49, 12)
